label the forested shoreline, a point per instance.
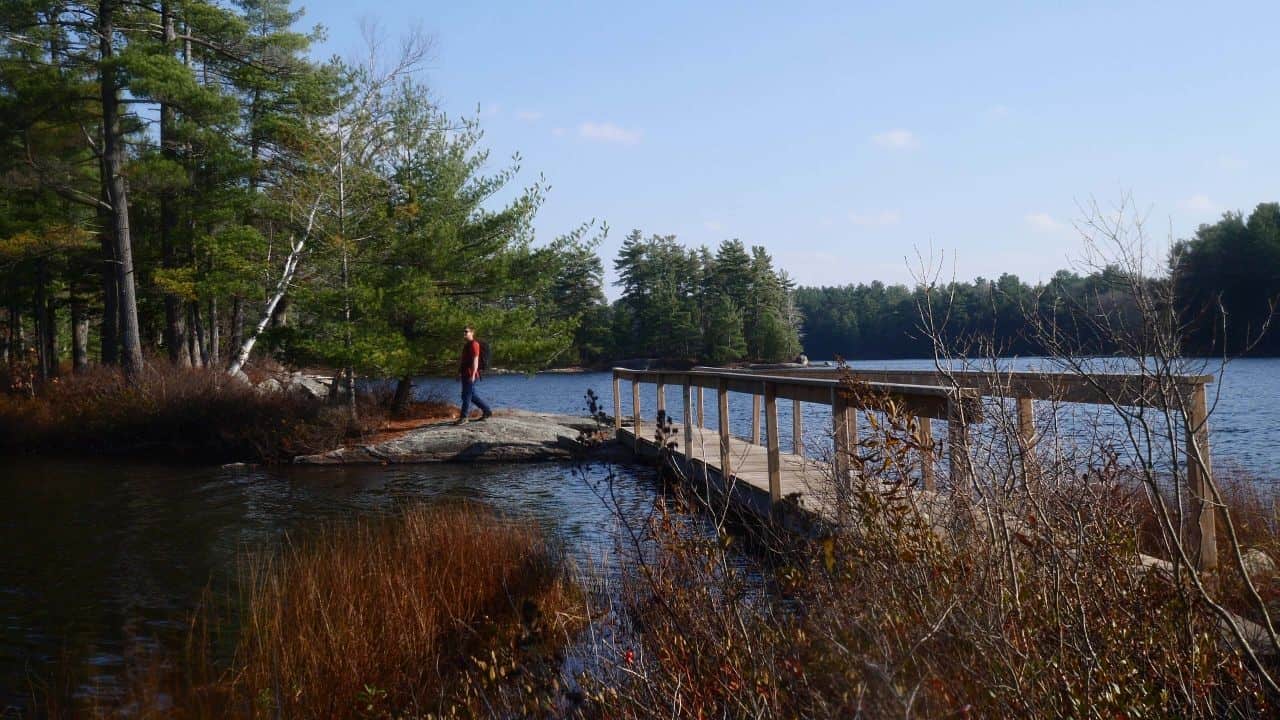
(184, 182)
(1225, 282)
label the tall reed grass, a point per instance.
(431, 612)
(173, 413)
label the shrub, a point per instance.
(175, 413)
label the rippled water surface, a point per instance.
(97, 557)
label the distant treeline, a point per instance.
(687, 305)
(1225, 280)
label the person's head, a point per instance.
(469, 333)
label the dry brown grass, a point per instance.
(431, 612)
(888, 618)
(1000, 599)
(173, 413)
(387, 616)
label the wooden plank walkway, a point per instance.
(801, 477)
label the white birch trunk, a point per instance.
(296, 247)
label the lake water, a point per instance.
(98, 558)
(1244, 424)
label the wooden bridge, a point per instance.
(756, 474)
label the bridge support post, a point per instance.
(685, 395)
(1027, 439)
(722, 403)
(755, 418)
(1200, 534)
(797, 429)
(924, 438)
(958, 444)
(617, 402)
(775, 459)
(840, 426)
(635, 411)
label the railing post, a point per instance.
(771, 423)
(688, 426)
(755, 418)
(722, 402)
(1027, 438)
(702, 410)
(924, 438)
(617, 401)
(958, 443)
(840, 429)
(1201, 534)
(635, 410)
(662, 393)
(797, 429)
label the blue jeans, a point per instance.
(469, 396)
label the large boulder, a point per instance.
(1258, 564)
(515, 437)
(310, 385)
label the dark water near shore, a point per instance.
(99, 560)
(102, 559)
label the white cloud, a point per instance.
(558, 132)
(896, 139)
(528, 115)
(1043, 222)
(1200, 203)
(608, 132)
(875, 219)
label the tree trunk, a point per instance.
(215, 339)
(352, 411)
(193, 338)
(79, 336)
(403, 396)
(201, 340)
(38, 313)
(174, 330)
(109, 335)
(118, 191)
(17, 337)
(237, 323)
(280, 318)
(296, 247)
(51, 334)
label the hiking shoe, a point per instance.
(486, 416)
(460, 421)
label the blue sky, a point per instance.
(844, 136)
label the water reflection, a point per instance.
(100, 558)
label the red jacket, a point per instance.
(470, 358)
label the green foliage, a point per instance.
(686, 305)
(1228, 279)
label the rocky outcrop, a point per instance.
(510, 437)
(311, 386)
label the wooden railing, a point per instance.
(959, 407)
(955, 397)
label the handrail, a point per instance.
(1097, 388)
(952, 396)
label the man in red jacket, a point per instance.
(469, 374)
